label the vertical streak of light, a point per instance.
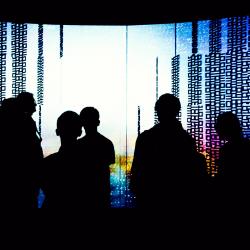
(61, 34)
(126, 101)
(156, 90)
(157, 78)
(139, 120)
(40, 76)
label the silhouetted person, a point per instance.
(8, 148)
(29, 152)
(8, 115)
(167, 170)
(233, 186)
(100, 155)
(62, 180)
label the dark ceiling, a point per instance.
(119, 12)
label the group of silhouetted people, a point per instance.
(75, 177)
(78, 175)
(169, 173)
(21, 152)
(167, 170)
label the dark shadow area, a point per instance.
(167, 171)
(78, 176)
(99, 155)
(232, 184)
(124, 13)
(61, 176)
(21, 153)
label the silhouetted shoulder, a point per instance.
(97, 137)
(149, 133)
(51, 158)
(235, 154)
(98, 147)
(246, 144)
(145, 139)
(240, 147)
(105, 140)
(169, 135)
(53, 165)
(49, 165)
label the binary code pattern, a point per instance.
(3, 52)
(18, 54)
(176, 78)
(237, 70)
(248, 34)
(214, 104)
(215, 36)
(245, 111)
(61, 41)
(214, 76)
(237, 34)
(247, 64)
(40, 74)
(156, 90)
(195, 108)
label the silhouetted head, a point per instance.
(167, 107)
(9, 105)
(26, 102)
(69, 126)
(228, 126)
(90, 119)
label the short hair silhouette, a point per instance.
(169, 149)
(9, 105)
(90, 117)
(232, 182)
(228, 126)
(69, 124)
(26, 102)
(8, 102)
(97, 154)
(61, 178)
(167, 106)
